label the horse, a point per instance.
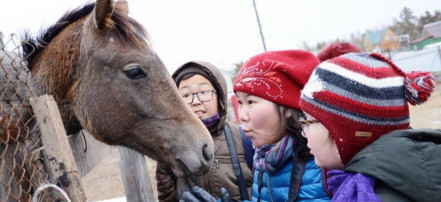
(98, 64)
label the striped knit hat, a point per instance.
(359, 96)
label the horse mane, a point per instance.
(127, 29)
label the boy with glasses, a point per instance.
(204, 89)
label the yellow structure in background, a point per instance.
(381, 41)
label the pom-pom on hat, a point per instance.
(336, 49)
(359, 96)
(277, 76)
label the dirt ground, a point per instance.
(427, 115)
(104, 181)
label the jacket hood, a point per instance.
(219, 83)
(408, 161)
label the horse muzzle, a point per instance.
(187, 163)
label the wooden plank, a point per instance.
(59, 161)
(134, 175)
(87, 151)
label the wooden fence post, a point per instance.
(134, 175)
(88, 151)
(58, 158)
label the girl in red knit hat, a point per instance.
(268, 90)
(357, 123)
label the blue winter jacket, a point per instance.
(275, 187)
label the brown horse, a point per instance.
(97, 63)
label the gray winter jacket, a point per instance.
(405, 163)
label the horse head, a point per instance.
(97, 63)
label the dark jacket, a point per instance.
(221, 173)
(405, 163)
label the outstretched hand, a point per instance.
(200, 195)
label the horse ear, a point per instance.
(103, 12)
(123, 6)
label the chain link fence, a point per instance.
(21, 168)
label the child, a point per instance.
(357, 116)
(268, 90)
(204, 89)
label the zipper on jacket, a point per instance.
(259, 184)
(269, 189)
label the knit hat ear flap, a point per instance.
(418, 85)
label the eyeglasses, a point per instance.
(305, 125)
(203, 96)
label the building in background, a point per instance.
(431, 34)
(381, 41)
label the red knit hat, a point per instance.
(336, 49)
(277, 76)
(360, 97)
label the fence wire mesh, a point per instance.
(21, 168)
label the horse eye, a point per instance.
(135, 73)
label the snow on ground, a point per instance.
(427, 59)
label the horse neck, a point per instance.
(55, 69)
(54, 72)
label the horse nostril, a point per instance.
(206, 153)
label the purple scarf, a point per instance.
(211, 121)
(346, 186)
(270, 157)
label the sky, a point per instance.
(226, 32)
